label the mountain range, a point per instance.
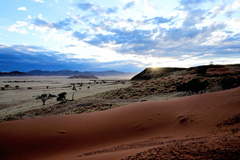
(65, 73)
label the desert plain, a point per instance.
(23, 98)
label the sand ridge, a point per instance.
(98, 133)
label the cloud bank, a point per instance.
(138, 33)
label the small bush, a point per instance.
(193, 86)
(230, 82)
(202, 70)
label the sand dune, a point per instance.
(120, 132)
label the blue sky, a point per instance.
(124, 35)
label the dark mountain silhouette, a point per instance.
(66, 73)
(71, 73)
(106, 73)
(14, 73)
(53, 73)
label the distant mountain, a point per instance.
(66, 73)
(71, 73)
(106, 73)
(14, 73)
(53, 73)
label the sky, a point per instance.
(122, 35)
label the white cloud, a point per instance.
(40, 1)
(234, 24)
(19, 27)
(236, 4)
(40, 16)
(22, 8)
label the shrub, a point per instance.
(62, 97)
(193, 86)
(230, 82)
(202, 70)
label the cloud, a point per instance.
(26, 58)
(112, 10)
(217, 10)
(129, 5)
(41, 22)
(160, 42)
(194, 17)
(19, 27)
(148, 37)
(96, 10)
(64, 24)
(158, 36)
(158, 20)
(191, 4)
(236, 4)
(79, 35)
(40, 1)
(22, 8)
(85, 6)
(198, 33)
(22, 57)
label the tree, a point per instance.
(44, 97)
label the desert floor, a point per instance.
(23, 99)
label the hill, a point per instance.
(207, 71)
(150, 73)
(178, 81)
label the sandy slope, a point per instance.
(120, 132)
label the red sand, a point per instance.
(120, 132)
